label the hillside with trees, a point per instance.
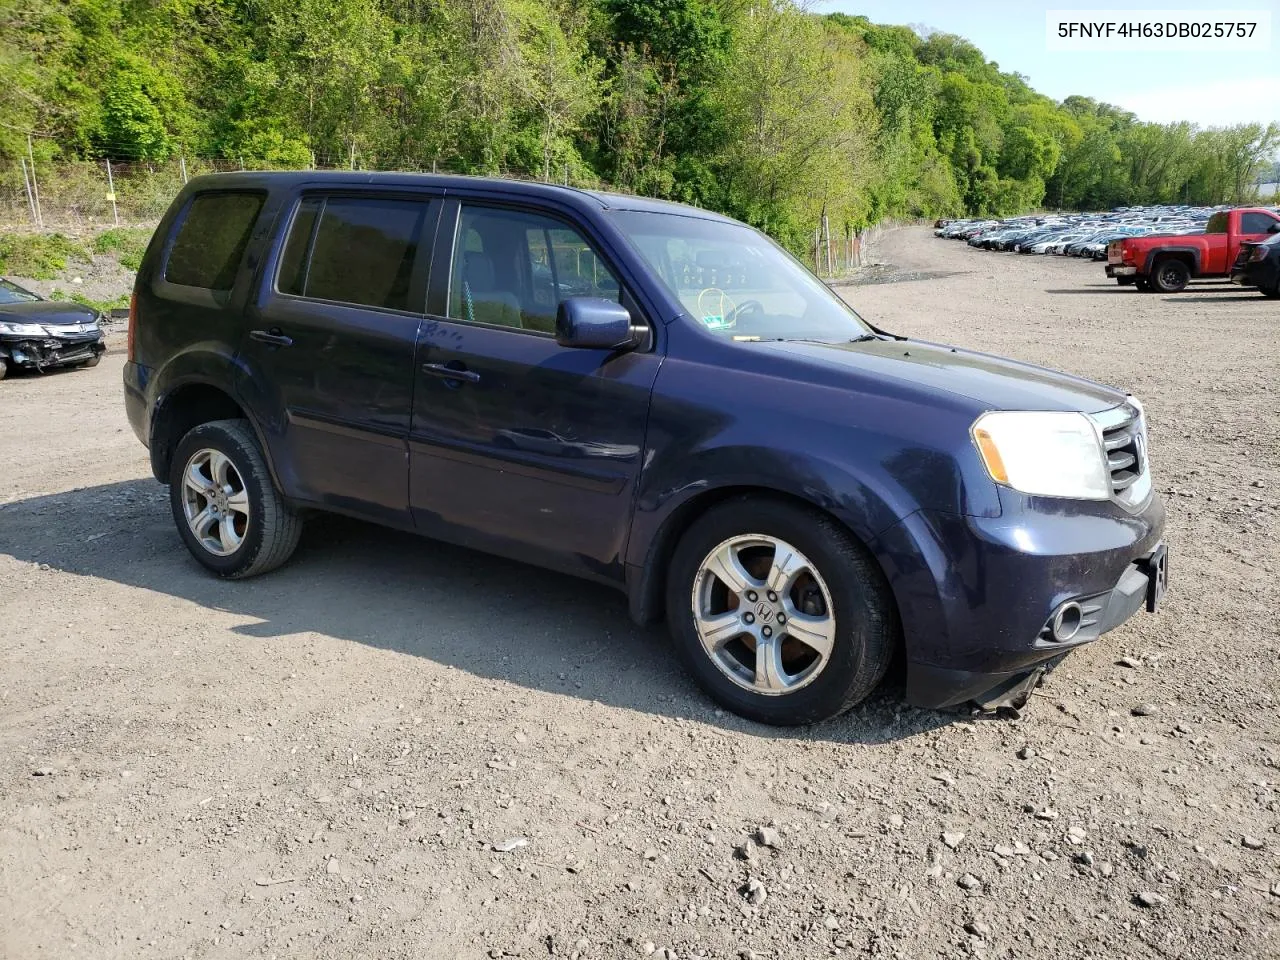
(752, 107)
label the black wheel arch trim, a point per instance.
(160, 454)
(645, 582)
(1194, 253)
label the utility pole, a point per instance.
(111, 194)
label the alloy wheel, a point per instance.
(763, 614)
(215, 502)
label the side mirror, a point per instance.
(594, 323)
(1274, 228)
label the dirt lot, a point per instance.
(318, 763)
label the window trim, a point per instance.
(180, 222)
(448, 242)
(426, 240)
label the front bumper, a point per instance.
(1121, 270)
(977, 596)
(45, 353)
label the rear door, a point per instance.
(327, 365)
(519, 445)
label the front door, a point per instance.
(328, 361)
(519, 445)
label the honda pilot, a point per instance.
(643, 394)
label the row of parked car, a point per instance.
(1075, 235)
(1158, 249)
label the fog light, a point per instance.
(1066, 622)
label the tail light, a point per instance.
(133, 327)
(1259, 253)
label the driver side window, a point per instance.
(1255, 223)
(512, 269)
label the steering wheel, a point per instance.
(744, 309)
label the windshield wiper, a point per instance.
(860, 339)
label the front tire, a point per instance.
(778, 612)
(88, 364)
(226, 508)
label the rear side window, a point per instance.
(212, 239)
(353, 250)
(1217, 224)
(1255, 223)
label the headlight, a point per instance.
(22, 329)
(1044, 454)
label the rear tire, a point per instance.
(832, 625)
(227, 510)
(1170, 276)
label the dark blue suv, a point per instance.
(644, 394)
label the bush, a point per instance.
(98, 306)
(42, 256)
(127, 243)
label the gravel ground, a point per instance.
(392, 748)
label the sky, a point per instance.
(1209, 89)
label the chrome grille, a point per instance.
(1124, 438)
(1124, 453)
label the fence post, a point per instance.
(31, 203)
(182, 159)
(817, 251)
(111, 194)
(826, 233)
(35, 184)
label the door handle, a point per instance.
(272, 337)
(446, 372)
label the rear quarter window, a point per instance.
(212, 238)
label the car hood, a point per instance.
(995, 383)
(47, 312)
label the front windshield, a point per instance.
(737, 282)
(12, 293)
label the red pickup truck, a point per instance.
(1167, 263)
